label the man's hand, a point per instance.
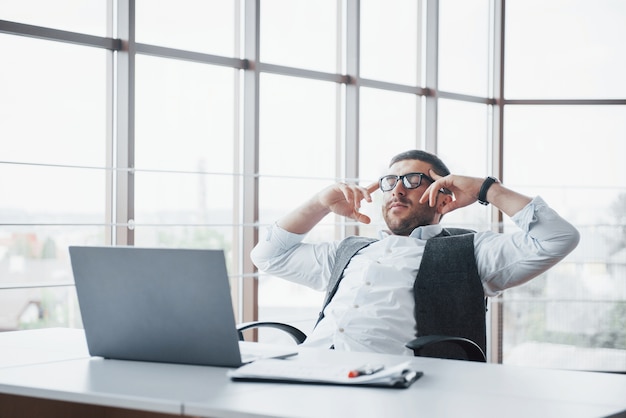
(341, 198)
(345, 200)
(465, 190)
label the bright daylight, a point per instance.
(393, 185)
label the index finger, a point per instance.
(434, 175)
(372, 187)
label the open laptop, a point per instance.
(161, 305)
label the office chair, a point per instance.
(450, 308)
(451, 323)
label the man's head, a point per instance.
(401, 208)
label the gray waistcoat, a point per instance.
(448, 291)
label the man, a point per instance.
(373, 307)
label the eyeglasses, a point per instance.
(409, 180)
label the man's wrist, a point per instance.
(482, 194)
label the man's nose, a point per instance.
(399, 188)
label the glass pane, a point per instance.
(52, 194)
(185, 116)
(574, 50)
(186, 131)
(34, 256)
(183, 199)
(389, 41)
(286, 149)
(300, 34)
(388, 126)
(464, 46)
(274, 203)
(52, 113)
(587, 138)
(197, 25)
(573, 315)
(83, 16)
(53, 102)
(38, 254)
(212, 236)
(185, 210)
(39, 308)
(464, 147)
(297, 128)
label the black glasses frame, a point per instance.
(387, 186)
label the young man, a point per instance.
(373, 308)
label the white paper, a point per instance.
(297, 370)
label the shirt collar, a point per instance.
(421, 232)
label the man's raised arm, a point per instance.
(341, 198)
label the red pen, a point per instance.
(366, 370)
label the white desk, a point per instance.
(70, 381)
(41, 346)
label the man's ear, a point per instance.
(443, 199)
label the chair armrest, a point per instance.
(473, 350)
(297, 335)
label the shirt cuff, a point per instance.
(525, 217)
(281, 238)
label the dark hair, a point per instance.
(415, 154)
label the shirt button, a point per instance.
(340, 330)
(356, 306)
(368, 283)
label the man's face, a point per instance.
(401, 208)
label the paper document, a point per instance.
(294, 370)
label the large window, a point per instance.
(566, 118)
(200, 123)
(53, 114)
(582, 301)
(184, 154)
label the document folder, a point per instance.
(296, 371)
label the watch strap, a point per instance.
(482, 195)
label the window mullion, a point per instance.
(124, 143)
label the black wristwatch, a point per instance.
(482, 195)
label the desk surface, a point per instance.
(54, 364)
(41, 346)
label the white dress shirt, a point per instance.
(373, 309)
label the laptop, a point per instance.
(160, 305)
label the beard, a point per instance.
(418, 215)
